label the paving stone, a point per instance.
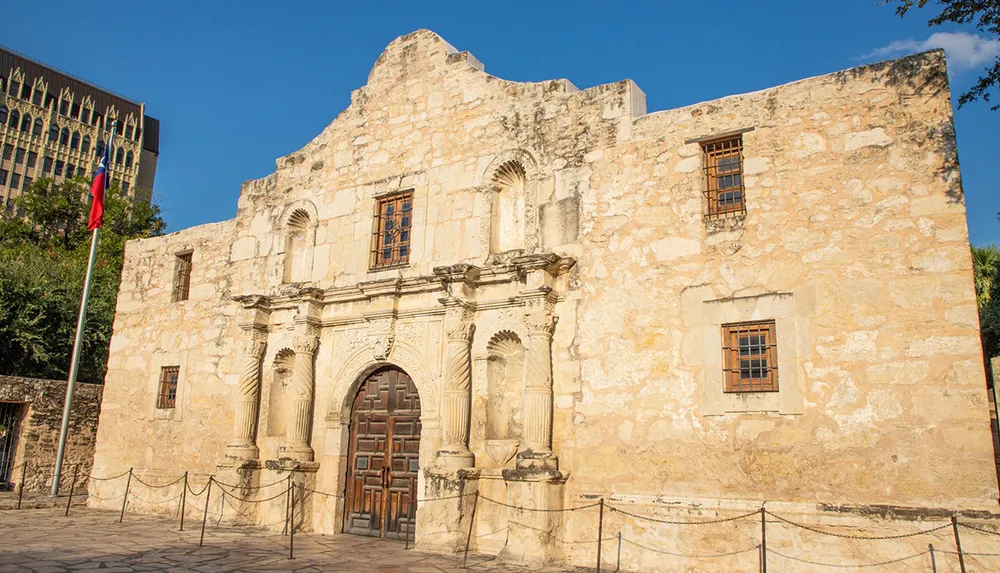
(92, 541)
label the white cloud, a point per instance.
(965, 50)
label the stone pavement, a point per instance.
(89, 540)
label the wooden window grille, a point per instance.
(167, 396)
(391, 230)
(724, 172)
(751, 357)
(182, 277)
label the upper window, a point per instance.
(32, 159)
(36, 129)
(751, 357)
(128, 131)
(85, 146)
(26, 123)
(3, 114)
(64, 136)
(15, 88)
(75, 141)
(85, 115)
(54, 132)
(64, 107)
(182, 277)
(724, 171)
(19, 154)
(15, 118)
(8, 151)
(391, 230)
(129, 158)
(26, 92)
(167, 395)
(36, 97)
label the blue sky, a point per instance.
(237, 84)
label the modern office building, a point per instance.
(55, 125)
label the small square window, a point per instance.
(182, 277)
(27, 183)
(46, 165)
(15, 180)
(724, 172)
(391, 230)
(167, 396)
(19, 155)
(8, 151)
(751, 357)
(3, 176)
(32, 159)
(59, 166)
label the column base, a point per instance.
(444, 525)
(455, 459)
(296, 452)
(239, 479)
(242, 452)
(534, 460)
(533, 537)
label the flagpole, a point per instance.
(77, 346)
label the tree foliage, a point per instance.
(986, 265)
(985, 16)
(43, 260)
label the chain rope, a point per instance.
(979, 529)
(95, 478)
(852, 566)
(252, 487)
(238, 498)
(671, 522)
(149, 485)
(868, 537)
(699, 556)
(578, 508)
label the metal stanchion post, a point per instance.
(184, 493)
(600, 532)
(618, 563)
(291, 524)
(930, 548)
(958, 543)
(472, 522)
(20, 486)
(763, 540)
(72, 487)
(204, 519)
(128, 485)
(288, 496)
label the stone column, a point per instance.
(454, 452)
(247, 398)
(539, 316)
(300, 389)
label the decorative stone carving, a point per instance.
(501, 451)
(381, 335)
(459, 327)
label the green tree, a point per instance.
(43, 260)
(986, 267)
(984, 15)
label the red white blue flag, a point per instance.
(97, 189)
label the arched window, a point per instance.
(36, 97)
(297, 263)
(128, 131)
(64, 136)
(64, 107)
(99, 150)
(75, 142)
(85, 116)
(4, 112)
(507, 218)
(15, 87)
(54, 132)
(86, 144)
(119, 156)
(15, 117)
(129, 158)
(26, 123)
(38, 127)
(26, 92)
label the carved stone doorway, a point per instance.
(383, 457)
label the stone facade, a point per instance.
(561, 310)
(38, 429)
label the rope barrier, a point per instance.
(443, 498)
(198, 494)
(879, 564)
(251, 488)
(968, 553)
(175, 482)
(691, 556)
(532, 508)
(333, 495)
(670, 522)
(868, 537)
(133, 496)
(979, 529)
(224, 493)
(95, 478)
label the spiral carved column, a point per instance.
(459, 325)
(247, 399)
(537, 446)
(300, 389)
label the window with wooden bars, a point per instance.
(182, 277)
(167, 396)
(724, 173)
(391, 230)
(751, 357)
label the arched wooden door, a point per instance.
(383, 456)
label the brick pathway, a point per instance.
(45, 541)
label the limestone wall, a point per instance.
(38, 431)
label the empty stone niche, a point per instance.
(507, 223)
(277, 400)
(505, 386)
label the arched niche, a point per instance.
(299, 224)
(277, 399)
(512, 221)
(505, 386)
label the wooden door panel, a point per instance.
(384, 456)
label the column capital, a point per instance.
(306, 343)
(459, 318)
(254, 312)
(254, 343)
(539, 310)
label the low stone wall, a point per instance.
(38, 432)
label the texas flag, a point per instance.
(97, 189)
